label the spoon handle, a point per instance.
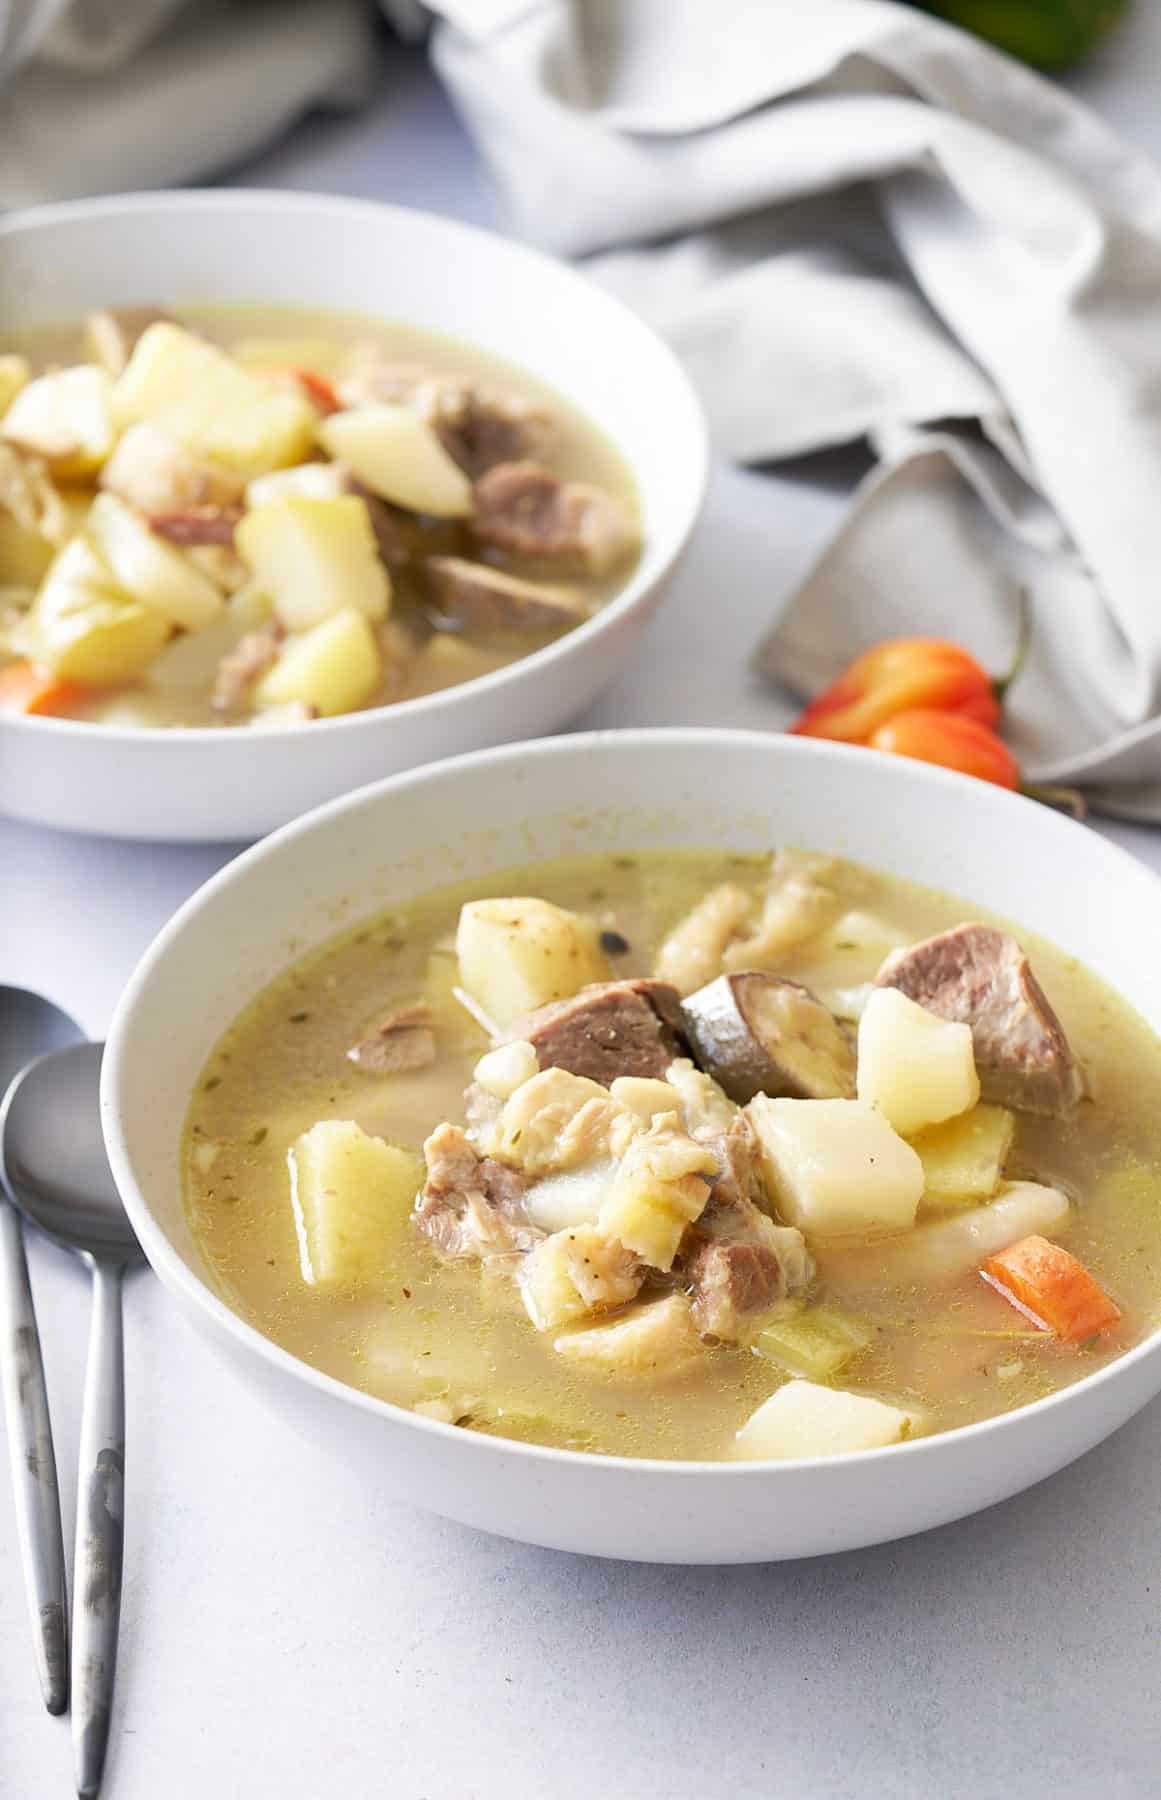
(100, 1532)
(33, 1465)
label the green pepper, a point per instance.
(1049, 34)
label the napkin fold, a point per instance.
(856, 222)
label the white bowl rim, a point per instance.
(180, 1275)
(631, 595)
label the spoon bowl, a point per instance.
(52, 1155)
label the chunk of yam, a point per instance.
(83, 627)
(64, 417)
(963, 1159)
(832, 1167)
(333, 668)
(519, 953)
(148, 569)
(315, 558)
(576, 1272)
(352, 1196)
(803, 1419)
(914, 1067)
(655, 1341)
(398, 456)
(951, 1247)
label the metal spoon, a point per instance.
(52, 1158)
(29, 1027)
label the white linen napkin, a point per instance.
(852, 221)
(100, 96)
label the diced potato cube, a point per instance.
(914, 1067)
(661, 1186)
(658, 1341)
(574, 1272)
(506, 1068)
(833, 1167)
(148, 569)
(816, 1343)
(518, 954)
(84, 628)
(334, 668)
(804, 1420)
(66, 418)
(15, 373)
(212, 405)
(24, 554)
(963, 1159)
(307, 481)
(352, 1196)
(191, 659)
(315, 558)
(396, 453)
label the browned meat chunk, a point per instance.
(111, 336)
(403, 1040)
(525, 508)
(737, 1264)
(486, 599)
(981, 977)
(610, 1028)
(244, 665)
(759, 1034)
(471, 1205)
(197, 525)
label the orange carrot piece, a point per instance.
(316, 387)
(1051, 1286)
(26, 689)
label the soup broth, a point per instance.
(453, 1336)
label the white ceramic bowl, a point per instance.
(56, 262)
(687, 789)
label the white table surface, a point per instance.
(289, 1637)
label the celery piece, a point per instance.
(817, 1343)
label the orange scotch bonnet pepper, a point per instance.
(900, 676)
(953, 740)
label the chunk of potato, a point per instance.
(212, 405)
(307, 481)
(66, 418)
(334, 668)
(803, 1419)
(148, 569)
(661, 1186)
(15, 373)
(575, 1272)
(84, 628)
(396, 453)
(914, 1067)
(315, 558)
(658, 1341)
(833, 1167)
(963, 1159)
(352, 1196)
(191, 659)
(519, 953)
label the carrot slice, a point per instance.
(316, 387)
(1052, 1287)
(26, 689)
